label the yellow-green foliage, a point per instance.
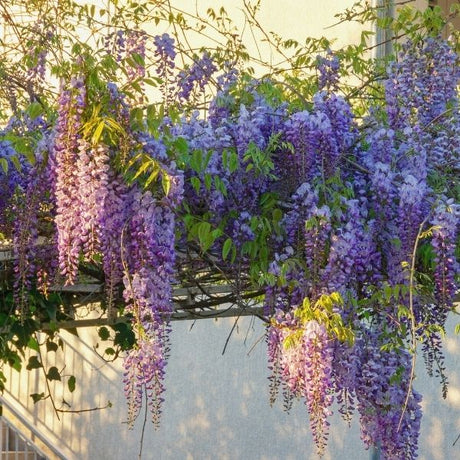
(321, 311)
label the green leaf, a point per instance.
(98, 132)
(33, 344)
(196, 184)
(137, 116)
(133, 160)
(387, 292)
(113, 125)
(103, 333)
(71, 383)
(37, 397)
(33, 363)
(30, 155)
(196, 161)
(14, 159)
(166, 183)
(153, 176)
(53, 374)
(144, 166)
(203, 231)
(150, 82)
(34, 110)
(233, 162)
(180, 144)
(4, 165)
(336, 298)
(124, 336)
(207, 181)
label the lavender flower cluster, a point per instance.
(388, 417)
(197, 76)
(99, 214)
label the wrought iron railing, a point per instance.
(15, 446)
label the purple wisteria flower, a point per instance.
(328, 68)
(195, 77)
(72, 103)
(165, 54)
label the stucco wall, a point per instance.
(216, 405)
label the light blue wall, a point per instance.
(216, 406)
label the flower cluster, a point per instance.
(302, 363)
(72, 103)
(319, 138)
(36, 57)
(328, 68)
(445, 231)
(165, 54)
(422, 83)
(149, 260)
(11, 180)
(135, 49)
(359, 231)
(197, 76)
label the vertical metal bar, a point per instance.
(16, 445)
(7, 438)
(2, 427)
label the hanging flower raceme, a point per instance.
(328, 68)
(148, 260)
(149, 272)
(36, 57)
(165, 54)
(25, 209)
(389, 407)
(92, 173)
(12, 180)
(72, 103)
(318, 394)
(196, 77)
(135, 50)
(445, 232)
(301, 358)
(422, 83)
(352, 253)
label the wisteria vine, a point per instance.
(332, 218)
